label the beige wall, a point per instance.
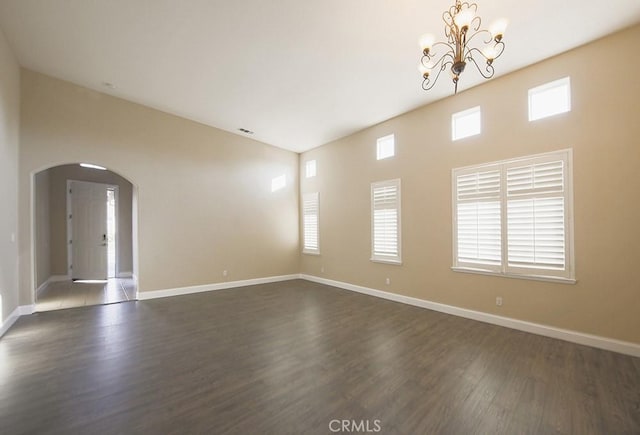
(43, 225)
(9, 136)
(603, 131)
(204, 196)
(54, 217)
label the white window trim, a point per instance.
(376, 258)
(568, 275)
(464, 113)
(306, 250)
(565, 81)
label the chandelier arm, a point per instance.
(448, 46)
(478, 22)
(473, 6)
(489, 70)
(499, 46)
(441, 59)
(449, 25)
(427, 83)
(480, 32)
(447, 16)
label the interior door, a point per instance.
(88, 230)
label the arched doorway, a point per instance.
(84, 237)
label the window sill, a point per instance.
(397, 262)
(556, 279)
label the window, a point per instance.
(465, 123)
(310, 223)
(515, 217)
(310, 168)
(386, 147)
(385, 221)
(278, 182)
(550, 99)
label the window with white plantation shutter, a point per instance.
(478, 218)
(515, 217)
(536, 215)
(385, 221)
(310, 223)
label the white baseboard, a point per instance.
(22, 310)
(623, 347)
(42, 286)
(211, 287)
(52, 278)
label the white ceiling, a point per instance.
(297, 73)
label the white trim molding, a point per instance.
(599, 342)
(22, 310)
(142, 295)
(52, 278)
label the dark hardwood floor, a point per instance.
(59, 295)
(288, 358)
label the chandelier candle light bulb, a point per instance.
(466, 43)
(497, 28)
(426, 42)
(464, 18)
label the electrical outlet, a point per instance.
(499, 301)
(388, 281)
(224, 273)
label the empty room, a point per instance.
(408, 217)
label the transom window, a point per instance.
(386, 147)
(310, 168)
(466, 123)
(550, 99)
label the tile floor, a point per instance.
(70, 294)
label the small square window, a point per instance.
(310, 168)
(386, 147)
(278, 182)
(466, 123)
(550, 99)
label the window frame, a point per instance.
(381, 141)
(562, 82)
(305, 197)
(455, 117)
(381, 258)
(566, 275)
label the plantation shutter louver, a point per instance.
(310, 209)
(536, 215)
(478, 217)
(514, 217)
(385, 198)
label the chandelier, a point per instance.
(462, 30)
